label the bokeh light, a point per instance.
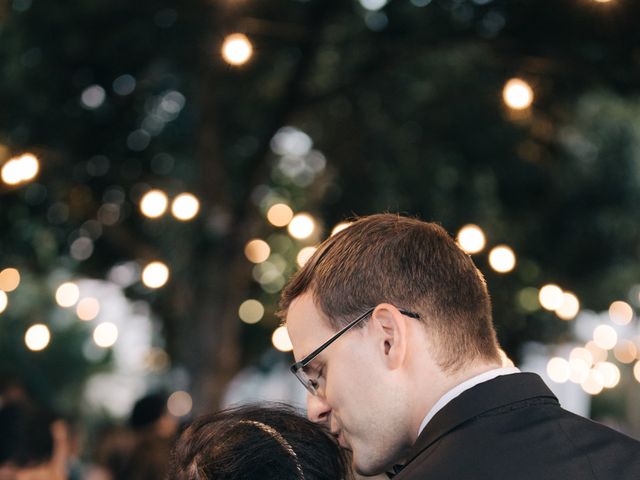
(251, 311)
(582, 353)
(280, 339)
(301, 226)
(502, 259)
(610, 374)
(597, 354)
(4, 301)
(593, 383)
(154, 203)
(237, 49)
(30, 166)
(37, 337)
(527, 299)
(339, 227)
(605, 336)
(155, 274)
(636, 370)
(551, 297)
(579, 370)
(93, 97)
(304, 255)
(67, 294)
(257, 251)
(279, 215)
(517, 94)
(625, 351)
(11, 174)
(620, 312)
(185, 206)
(88, 309)
(20, 169)
(569, 308)
(471, 239)
(105, 334)
(9, 279)
(179, 403)
(558, 370)
(157, 360)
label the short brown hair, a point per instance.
(412, 264)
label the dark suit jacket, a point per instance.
(513, 428)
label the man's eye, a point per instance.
(313, 382)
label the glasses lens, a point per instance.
(306, 381)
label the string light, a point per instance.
(579, 370)
(257, 251)
(251, 311)
(558, 370)
(594, 383)
(598, 354)
(155, 275)
(88, 309)
(610, 374)
(279, 215)
(237, 49)
(154, 203)
(280, 339)
(304, 255)
(185, 206)
(569, 308)
(301, 226)
(179, 403)
(339, 227)
(9, 279)
(625, 351)
(67, 294)
(105, 335)
(37, 337)
(517, 94)
(620, 312)
(551, 297)
(502, 259)
(605, 336)
(583, 354)
(471, 238)
(20, 169)
(4, 301)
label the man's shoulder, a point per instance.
(524, 436)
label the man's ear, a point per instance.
(393, 330)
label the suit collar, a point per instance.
(495, 393)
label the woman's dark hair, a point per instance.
(268, 442)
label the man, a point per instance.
(393, 337)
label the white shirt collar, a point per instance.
(466, 385)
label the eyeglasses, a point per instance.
(298, 368)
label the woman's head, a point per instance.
(262, 442)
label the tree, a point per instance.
(402, 101)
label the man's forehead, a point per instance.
(306, 326)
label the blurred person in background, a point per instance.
(257, 442)
(112, 449)
(34, 445)
(154, 429)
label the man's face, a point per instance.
(358, 399)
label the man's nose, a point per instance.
(318, 410)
